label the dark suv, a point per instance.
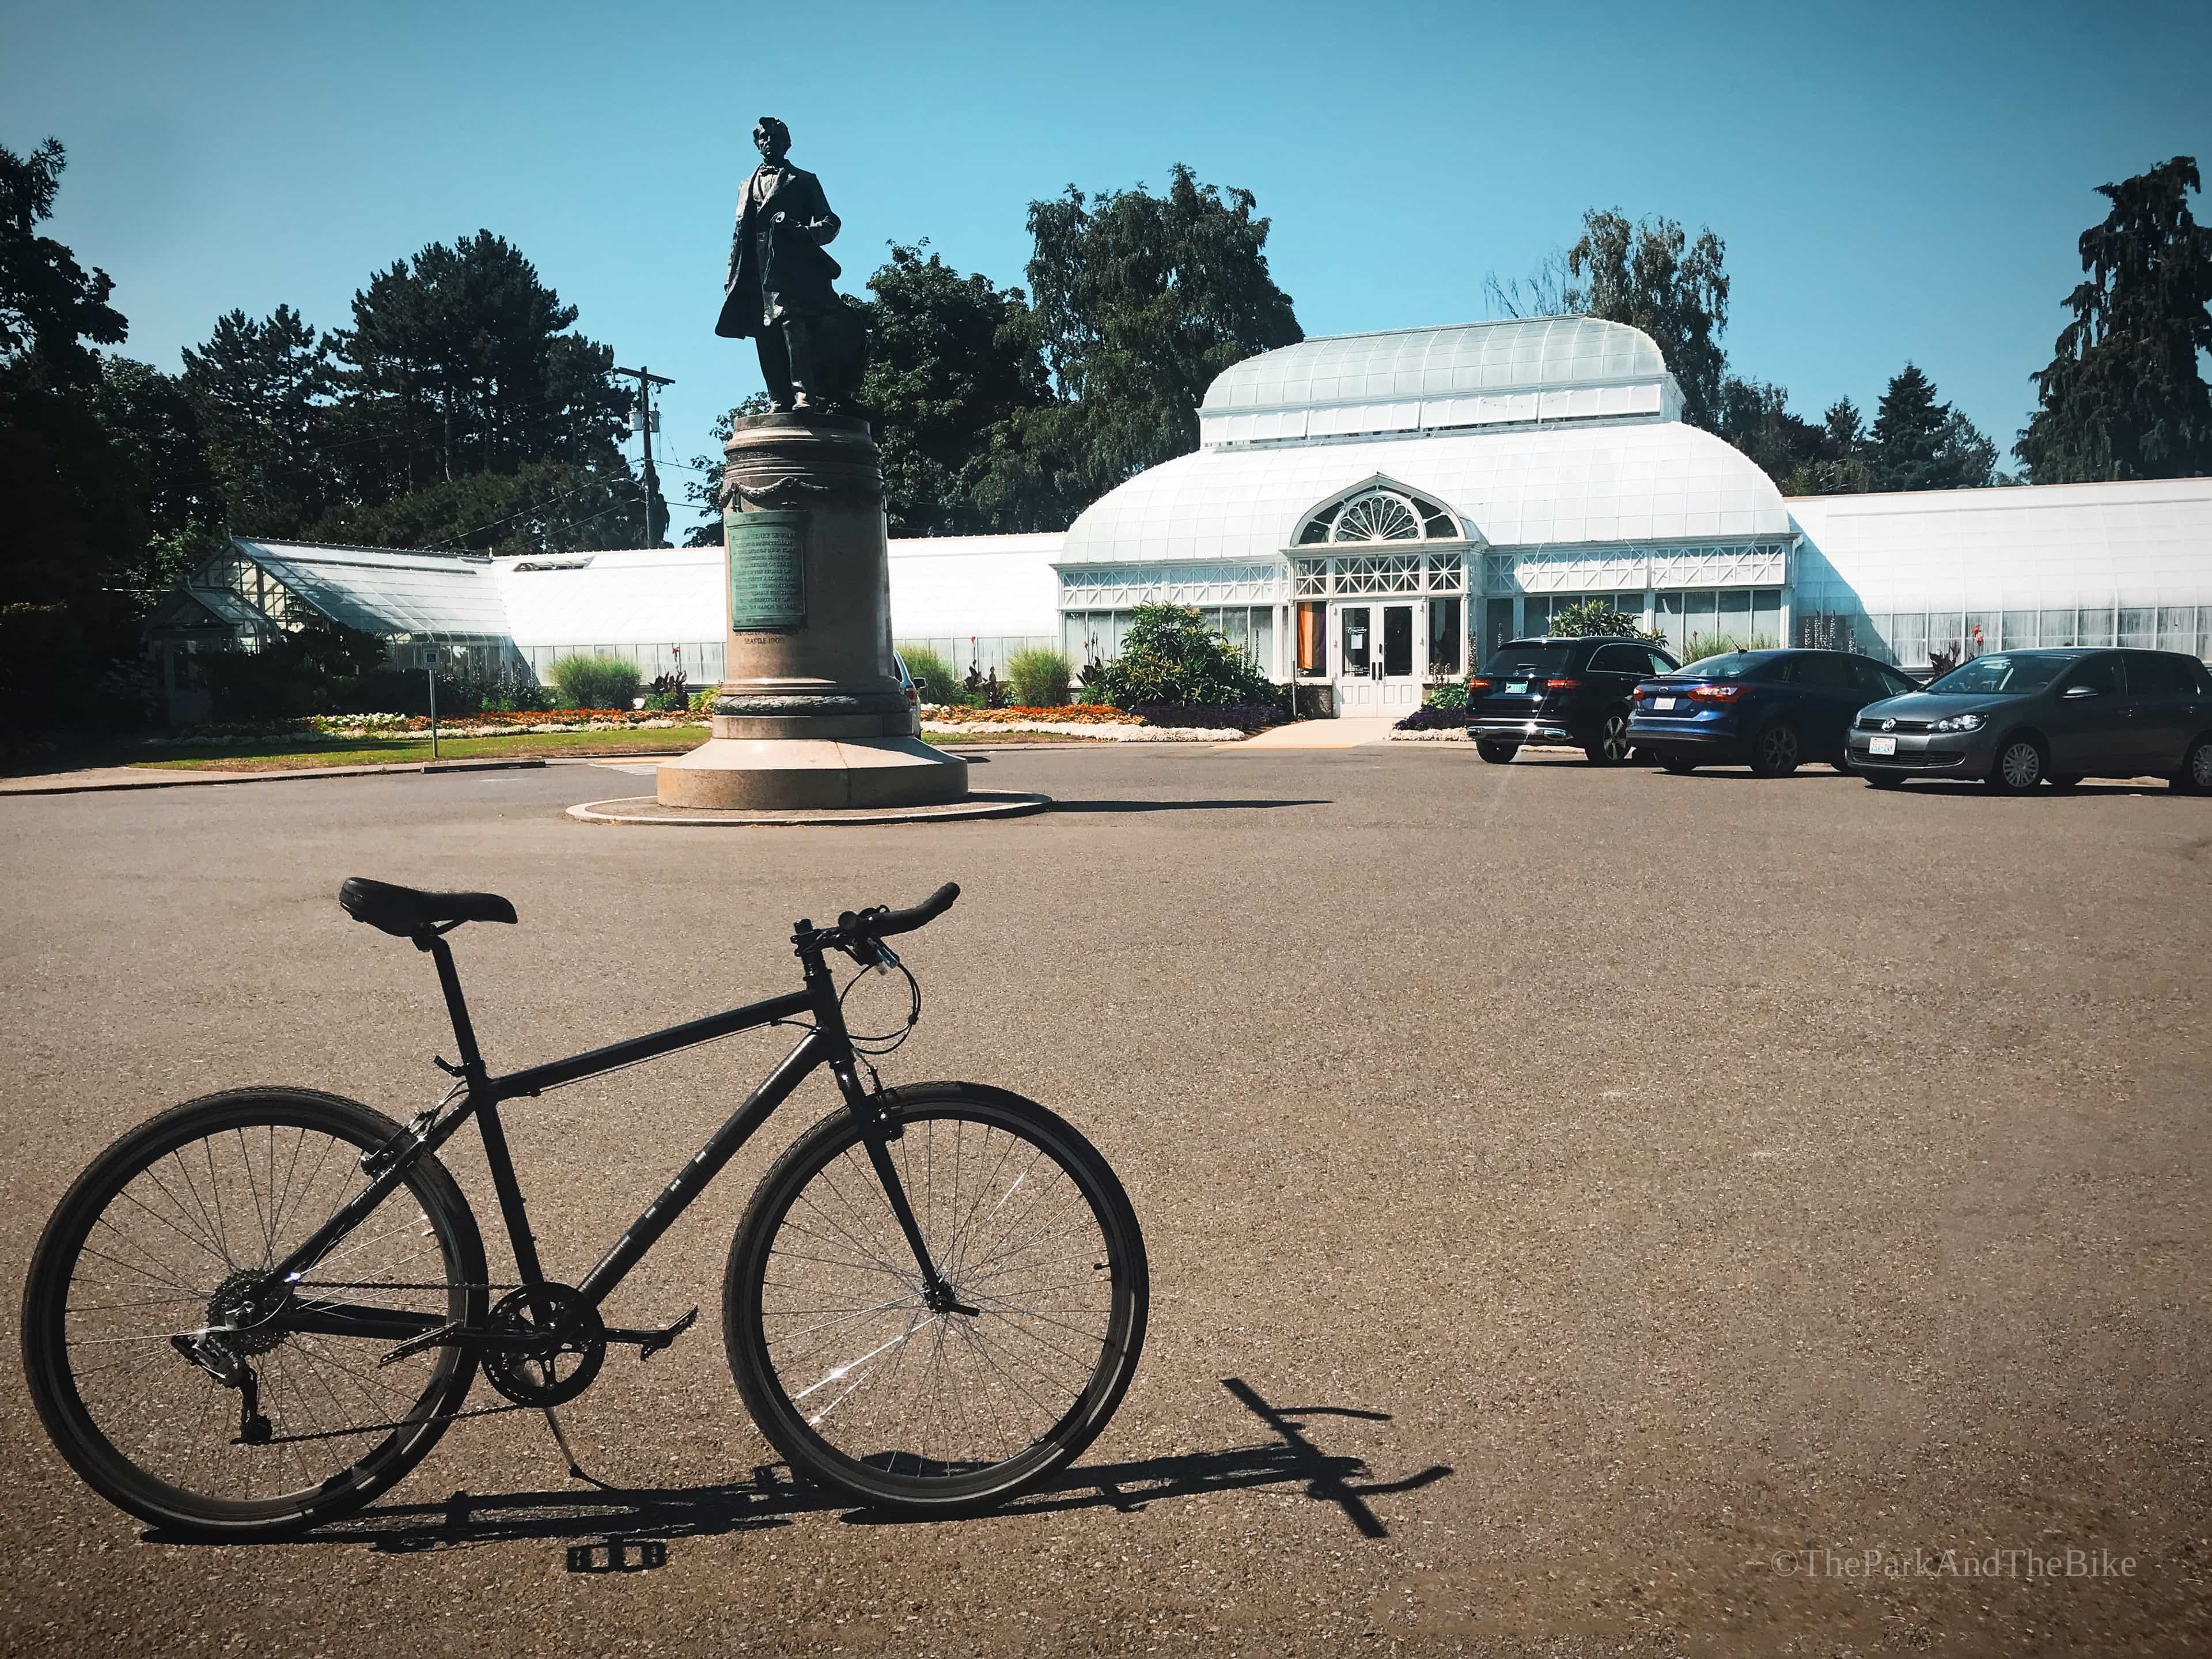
(1560, 691)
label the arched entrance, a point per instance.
(1381, 578)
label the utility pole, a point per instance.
(643, 421)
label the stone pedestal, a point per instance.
(811, 714)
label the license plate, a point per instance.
(1662, 702)
(1516, 685)
(1881, 745)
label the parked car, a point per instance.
(1769, 710)
(2017, 718)
(1560, 691)
(911, 692)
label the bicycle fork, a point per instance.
(877, 1133)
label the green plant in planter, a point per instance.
(1588, 616)
(1039, 677)
(1452, 693)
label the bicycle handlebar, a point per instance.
(884, 923)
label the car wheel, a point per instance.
(1612, 746)
(1496, 753)
(1681, 765)
(1776, 751)
(2018, 768)
(2065, 780)
(2194, 777)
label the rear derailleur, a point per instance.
(233, 1371)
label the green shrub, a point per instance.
(1039, 677)
(595, 681)
(1588, 616)
(934, 678)
(1172, 655)
(1702, 646)
(1452, 693)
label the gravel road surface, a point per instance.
(1590, 1210)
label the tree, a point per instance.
(544, 507)
(461, 362)
(953, 357)
(1171, 655)
(75, 520)
(1141, 300)
(1650, 277)
(159, 455)
(261, 390)
(1754, 416)
(49, 306)
(1919, 443)
(2125, 397)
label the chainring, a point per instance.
(567, 1343)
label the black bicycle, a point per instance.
(261, 1309)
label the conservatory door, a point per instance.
(1378, 671)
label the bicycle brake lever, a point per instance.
(886, 958)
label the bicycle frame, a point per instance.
(827, 1044)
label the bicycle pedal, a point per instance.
(651, 1342)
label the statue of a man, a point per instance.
(777, 290)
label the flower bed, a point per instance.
(489, 724)
(947, 716)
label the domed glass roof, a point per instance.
(1540, 354)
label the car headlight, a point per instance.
(1959, 723)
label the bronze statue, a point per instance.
(778, 288)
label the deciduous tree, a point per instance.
(1648, 274)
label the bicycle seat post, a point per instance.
(449, 980)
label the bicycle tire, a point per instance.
(1113, 1289)
(168, 1388)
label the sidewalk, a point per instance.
(96, 779)
(1316, 734)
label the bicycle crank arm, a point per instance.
(651, 1342)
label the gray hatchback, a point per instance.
(2016, 718)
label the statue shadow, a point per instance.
(616, 1529)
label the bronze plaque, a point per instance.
(768, 571)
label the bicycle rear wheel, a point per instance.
(167, 1239)
(847, 1369)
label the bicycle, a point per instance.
(935, 1298)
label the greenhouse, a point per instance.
(1366, 514)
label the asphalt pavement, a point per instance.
(1590, 1210)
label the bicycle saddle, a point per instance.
(406, 911)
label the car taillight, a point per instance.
(1561, 685)
(1715, 693)
(1478, 685)
(913, 693)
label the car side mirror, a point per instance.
(2079, 692)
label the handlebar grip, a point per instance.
(905, 921)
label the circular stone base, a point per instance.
(800, 775)
(977, 804)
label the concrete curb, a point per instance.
(187, 781)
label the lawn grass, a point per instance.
(290, 754)
(297, 754)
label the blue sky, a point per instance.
(1892, 182)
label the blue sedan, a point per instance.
(1769, 710)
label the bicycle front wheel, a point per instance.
(869, 1390)
(154, 1340)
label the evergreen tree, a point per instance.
(954, 356)
(462, 361)
(1141, 300)
(261, 390)
(1920, 443)
(2124, 396)
(1651, 276)
(1754, 417)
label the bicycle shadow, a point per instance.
(603, 1525)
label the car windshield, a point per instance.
(1728, 665)
(1987, 676)
(1518, 660)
